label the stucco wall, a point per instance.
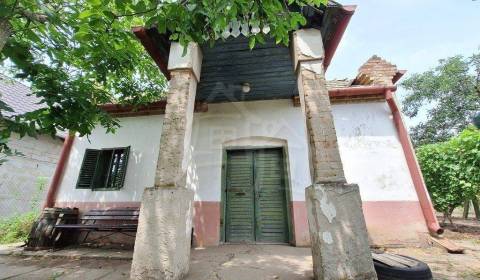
(142, 134)
(371, 152)
(24, 179)
(369, 148)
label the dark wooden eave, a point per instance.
(157, 46)
(334, 22)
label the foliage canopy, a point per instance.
(451, 95)
(81, 53)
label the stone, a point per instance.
(338, 233)
(162, 245)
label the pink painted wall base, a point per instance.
(389, 223)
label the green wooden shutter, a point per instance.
(121, 162)
(240, 214)
(87, 171)
(271, 210)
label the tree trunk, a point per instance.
(476, 208)
(466, 208)
(5, 32)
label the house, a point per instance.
(252, 129)
(24, 179)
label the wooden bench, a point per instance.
(115, 220)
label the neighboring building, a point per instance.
(24, 179)
(248, 159)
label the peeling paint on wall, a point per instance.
(327, 237)
(328, 209)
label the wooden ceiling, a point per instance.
(267, 68)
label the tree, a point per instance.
(451, 170)
(81, 53)
(451, 95)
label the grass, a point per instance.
(17, 228)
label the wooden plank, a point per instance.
(85, 217)
(239, 225)
(113, 213)
(385, 259)
(271, 198)
(447, 244)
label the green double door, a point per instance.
(256, 208)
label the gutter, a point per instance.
(57, 176)
(413, 166)
(348, 11)
(359, 91)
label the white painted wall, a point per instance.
(369, 147)
(142, 134)
(371, 152)
(272, 123)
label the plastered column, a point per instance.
(162, 243)
(339, 238)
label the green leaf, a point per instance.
(251, 42)
(85, 14)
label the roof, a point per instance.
(343, 83)
(18, 96)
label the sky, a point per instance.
(413, 34)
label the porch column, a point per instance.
(338, 233)
(162, 244)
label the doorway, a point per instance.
(256, 199)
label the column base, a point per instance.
(338, 233)
(162, 244)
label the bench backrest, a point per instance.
(114, 214)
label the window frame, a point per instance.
(94, 186)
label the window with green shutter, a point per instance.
(103, 169)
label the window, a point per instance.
(103, 169)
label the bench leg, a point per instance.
(85, 238)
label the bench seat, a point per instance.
(115, 220)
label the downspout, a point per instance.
(413, 167)
(57, 176)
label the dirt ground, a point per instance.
(466, 234)
(232, 262)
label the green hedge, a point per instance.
(17, 228)
(451, 170)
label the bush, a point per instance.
(17, 228)
(451, 170)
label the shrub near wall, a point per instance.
(451, 170)
(16, 229)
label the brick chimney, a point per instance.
(377, 71)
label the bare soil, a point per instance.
(252, 262)
(464, 233)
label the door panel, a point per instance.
(271, 211)
(240, 223)
(256, 198)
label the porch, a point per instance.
(228, 262)
(223, 262)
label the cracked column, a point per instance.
(338, 233)
(162, 244)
